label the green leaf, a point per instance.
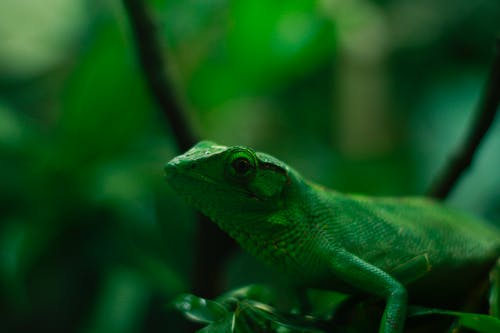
(200, 310)
(244, 315)
(224, 325)
(257, 292)
(252, 316)
(479, 322)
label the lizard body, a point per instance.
(394, 248)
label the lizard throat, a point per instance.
(281, 246)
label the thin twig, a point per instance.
(153, 63)
(212, 246)
(486, 112)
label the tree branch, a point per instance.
(154, 66)
(212, 245)
(484, 117)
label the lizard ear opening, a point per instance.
(269, 182)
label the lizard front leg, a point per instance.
(370, 279)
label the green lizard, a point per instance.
(400, 249)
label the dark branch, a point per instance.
(153, 63)
(212, 245)
(485, 115)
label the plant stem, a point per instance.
(462, 159)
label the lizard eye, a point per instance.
(241, 164)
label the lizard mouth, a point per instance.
(172, 172)
(174, 175)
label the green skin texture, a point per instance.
(400, 249)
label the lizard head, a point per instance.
(229, 183)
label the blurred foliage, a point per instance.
(247, 310)
(238, 311)
(364, 96)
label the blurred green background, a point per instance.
(363, 96)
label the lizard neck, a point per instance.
(285, 239)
